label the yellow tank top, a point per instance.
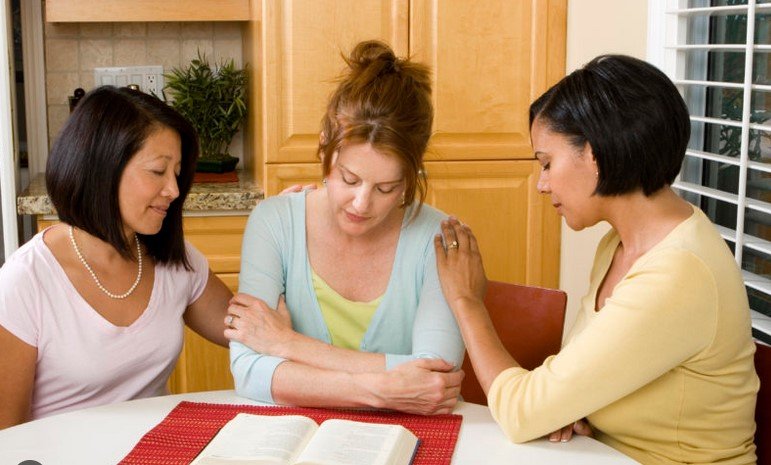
(346, 320)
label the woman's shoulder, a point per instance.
(690, 262)
(30, 256)
(29, 270)
(195, 257)
(695, 240)
(427, 218)
(282, 202)
(279, 208)
(418, 231)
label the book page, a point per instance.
(343, 442)
(257, 439)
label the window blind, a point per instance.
(717, 53)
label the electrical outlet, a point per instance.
(151, 84)
(148, 78)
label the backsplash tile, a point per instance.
(96, 29)
(57, 115)
(130, 29)
(169, 30)
(164, 52)
(225, 49)
(53, 30)
(130, 52)
(191, 47)
(62, 55)
(95, 53)
(73, 50)
(60, 83)
(197, 30)
(227, 29)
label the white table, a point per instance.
(104, 435)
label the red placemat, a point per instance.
(186, 430)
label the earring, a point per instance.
(324, 181)
(404, 200)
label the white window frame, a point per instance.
(666, 27)
(8, 159)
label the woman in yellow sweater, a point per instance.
(659, 363)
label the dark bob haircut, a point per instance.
(632, 116)
(108, 127)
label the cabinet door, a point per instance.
(517, 229)
(280, 176)
(490, 59)
(302, 42)
(202, 365)
(219, 238)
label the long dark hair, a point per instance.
(88, 158)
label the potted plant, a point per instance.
(214, 101)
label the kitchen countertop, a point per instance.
(227, 196)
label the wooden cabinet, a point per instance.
(279, 176)
(146, 10)
(489, 60)
(515, 227)
(299, 55)
(203, 366)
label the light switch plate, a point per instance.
(148, 78)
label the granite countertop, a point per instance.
(227, 196)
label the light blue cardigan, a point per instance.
(412, 321)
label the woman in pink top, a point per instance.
(92, 310)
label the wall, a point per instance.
(73, 50)
(595, 27)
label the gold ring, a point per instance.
(452, 245)
(230, 320)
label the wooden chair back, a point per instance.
(529, 320)
(763, 408)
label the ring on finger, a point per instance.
(452, 245)
(229, 320)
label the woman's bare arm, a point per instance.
(17, 365)
(205, 316)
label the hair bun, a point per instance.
(373, 58)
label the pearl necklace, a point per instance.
(93, 275)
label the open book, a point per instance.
(293, 440)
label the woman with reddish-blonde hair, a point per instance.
(365, 318)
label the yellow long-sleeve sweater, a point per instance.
(664, 371)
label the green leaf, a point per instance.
(212, 99)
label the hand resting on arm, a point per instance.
(342, 378)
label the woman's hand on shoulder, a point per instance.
(564, 434)
(459, 264)
(253, 323)
(423, 386)
(298, 188)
